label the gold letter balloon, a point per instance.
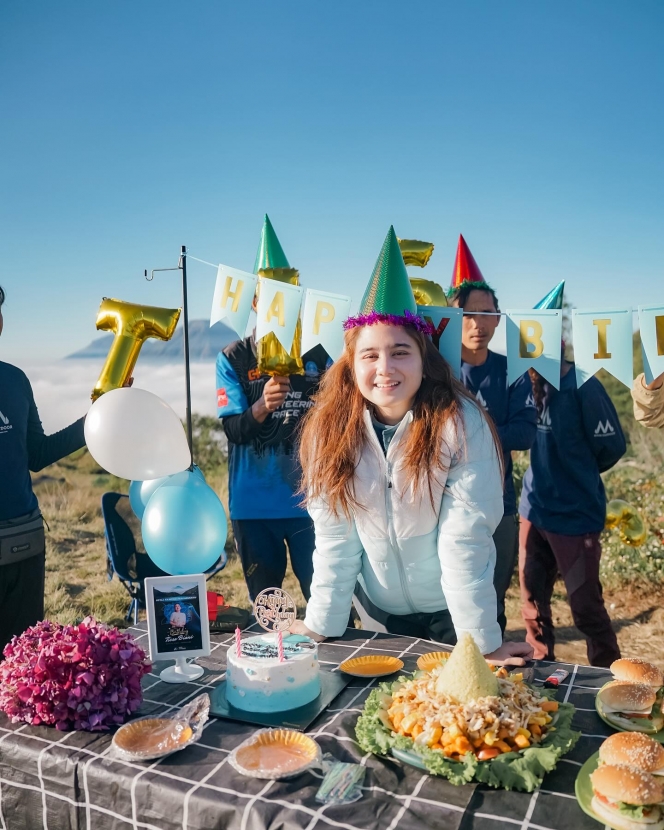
(271, 356)
(626, 518)
(132, 325)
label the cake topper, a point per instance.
(275, 610)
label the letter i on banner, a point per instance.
(603, 340)
(651, 329)
(533, 342)
(448, 325)
(323, 316)
(233, 295)
(278, 310)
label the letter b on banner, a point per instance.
(530, 334)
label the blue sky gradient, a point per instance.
(535, 129)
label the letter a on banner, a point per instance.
(323, 316)
(233, 296)
(533, 341)
(603, 340)
(651, 329)
(277, 310)
(448, 323)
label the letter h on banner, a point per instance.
(533, 341)
(233, 296)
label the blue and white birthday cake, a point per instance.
(258, 682)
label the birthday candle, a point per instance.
(238, 641)
(280, 646)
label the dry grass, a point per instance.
(76, 583)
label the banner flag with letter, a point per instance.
(233, 295)
(448, 323)
(603, 340)
(323, 316)
(278, 310)
(651, 329)
(533, 342)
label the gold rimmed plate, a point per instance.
(372, 665)
(276, 753)
(429, 661)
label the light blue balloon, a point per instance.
(185, 527)
(140, 492)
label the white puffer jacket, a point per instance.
(407, 556)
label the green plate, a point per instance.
(584, 790)
(658, 736)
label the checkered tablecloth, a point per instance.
(63, 781)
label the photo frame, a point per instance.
(178, 626)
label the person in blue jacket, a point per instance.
(511, 407)
(24, 447)
(563, 510)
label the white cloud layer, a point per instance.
(62, 389)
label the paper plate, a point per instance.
(429, 661)
(658, 736)
(152, 737)
(372, 665)
(275, 753)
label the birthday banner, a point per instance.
(602, 339)
(322, 321)
(447, 323)
(534, 342)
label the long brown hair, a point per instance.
(333, 431)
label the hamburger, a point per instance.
(630, 706)
(635, 670)
(627, 798)
(634, 749)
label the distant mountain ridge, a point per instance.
(204, 344)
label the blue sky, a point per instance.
(535, 129)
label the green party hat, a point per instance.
(554, 299)
(270, 254)
(389, 290)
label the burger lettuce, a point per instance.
(523, 770)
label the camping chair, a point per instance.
(126, 556)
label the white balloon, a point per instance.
(134, 434)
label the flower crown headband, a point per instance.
(405, 319)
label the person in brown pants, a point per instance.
(563, 509)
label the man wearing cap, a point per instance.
(260, 415)
(511, 406)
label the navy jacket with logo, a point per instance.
(512, 410)
(263, 467)
(23, 444)
(578, 437)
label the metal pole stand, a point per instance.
(181, 672)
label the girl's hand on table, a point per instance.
(511, 654)
(299, 627)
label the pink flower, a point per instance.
(84, 676)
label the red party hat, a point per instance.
(465, 267)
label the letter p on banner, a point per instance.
(533, 342)
(651, 329)
(323, 316)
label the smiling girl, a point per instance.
(403, 479)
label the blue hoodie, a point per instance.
(512, 410)
(578, 437)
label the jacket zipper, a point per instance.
(390, 517)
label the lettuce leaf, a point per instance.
(523, 770)
(634, 811)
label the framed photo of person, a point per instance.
(177, 623)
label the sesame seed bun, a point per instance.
(627, 697)
(622, 783)
(635, 670)
(634, 749)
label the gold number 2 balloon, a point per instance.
(132, 325)
(626, 518)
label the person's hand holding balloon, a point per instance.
(274, 394)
